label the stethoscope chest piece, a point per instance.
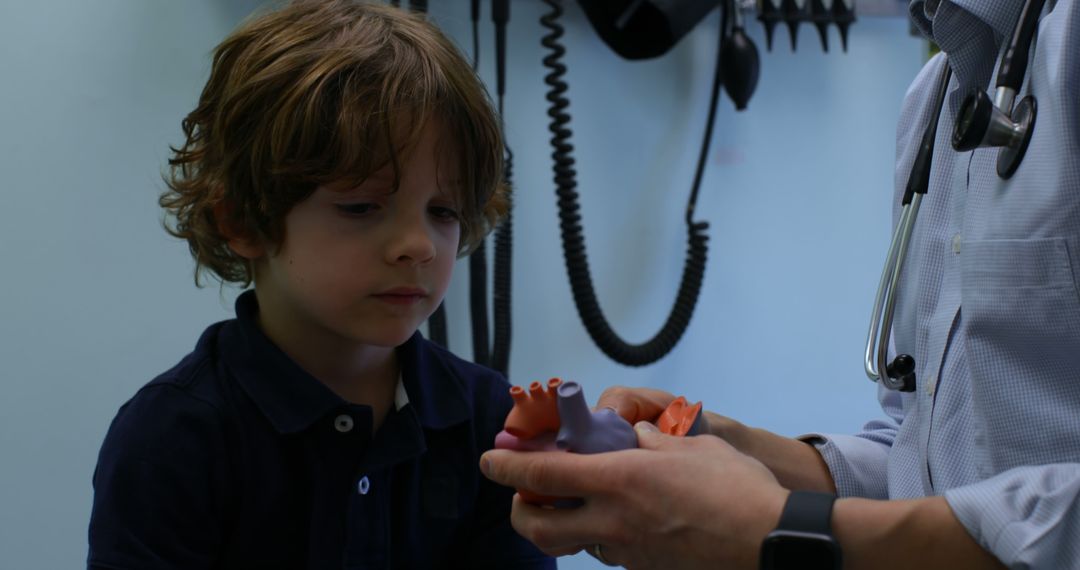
(1011, 156)
(982, 124)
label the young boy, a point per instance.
(341, 156)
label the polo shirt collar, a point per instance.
(290, 398)
(435, 391)
(293, 400)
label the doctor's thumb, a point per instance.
(649, 436)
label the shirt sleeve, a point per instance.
(858, 463)
(1027, 516)
(158, 486)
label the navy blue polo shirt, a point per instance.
(237, 458)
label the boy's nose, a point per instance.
(412, 243)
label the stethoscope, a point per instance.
(980, 123)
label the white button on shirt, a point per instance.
(364, 485)
(343, 423)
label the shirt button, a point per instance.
(931, 385)
(956, 241)
(364, 485)
(343, 423)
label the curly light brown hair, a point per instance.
(318, 92)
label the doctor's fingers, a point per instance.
(635, 404)
(607, 530)
(560, 532)
(554, 474)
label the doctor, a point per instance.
(979, 465)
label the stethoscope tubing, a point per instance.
(877, 338)
(877, 353)
(1010, 77)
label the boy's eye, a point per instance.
(444, 213)
(356, 209)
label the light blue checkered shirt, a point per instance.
(989, 306)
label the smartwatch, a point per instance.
(803, 540)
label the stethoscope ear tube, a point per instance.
(1015, 61)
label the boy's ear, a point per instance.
(239, 241)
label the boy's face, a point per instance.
(364, 265)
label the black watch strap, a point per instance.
(803, 539)
(808, 511)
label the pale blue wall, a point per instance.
(96, 299)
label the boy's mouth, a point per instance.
(402, 295)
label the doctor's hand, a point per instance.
(635, 404)
(795, 463)
(673, 503)
(646, 404)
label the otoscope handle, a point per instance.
(500, 15)
(1014, 62)
(500, 11)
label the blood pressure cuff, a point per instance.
(643, 29)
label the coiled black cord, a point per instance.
(504, 236)
(573, 241)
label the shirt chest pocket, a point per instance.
(1021, 331)
(1023, 291)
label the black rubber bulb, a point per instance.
(742, 66)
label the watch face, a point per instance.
(799, 551)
